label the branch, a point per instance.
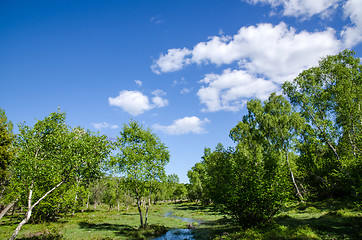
(353, 145)
(324, 135)
(47, 193)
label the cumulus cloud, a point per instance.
(173, 60)
(266, 55)
(136, 103)
(277, 52)
(301, 8)
(352, 35)
(184, 125)
(104, 125)
(230, 90)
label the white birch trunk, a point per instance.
(7, 208)
(30, 208)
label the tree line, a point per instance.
(304, 145)
(51, 169)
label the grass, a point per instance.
(321, 220)
(104, 224)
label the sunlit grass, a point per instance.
(99, 224)
(321, 220)
(104, 224)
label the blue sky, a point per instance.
(185, 68)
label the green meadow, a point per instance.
(321, 220)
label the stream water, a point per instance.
(180, 233)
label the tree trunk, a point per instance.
(148, 206)
(28, 213)
(75, 203)
(139, 208)
(21, 224)
(324, 136)
(88, 201)
(30, 207)
(7, 208)
(294, 183)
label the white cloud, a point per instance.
(135, 103)
(352, 35)
(158, 100)
(183, 126)
(230, 90)
(267, 55)
(138, 82)
(174, 60)
(186, 90)
(301, 8)
(277, 52)
(104, 125)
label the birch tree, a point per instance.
(275, 127)
(329, 97)
(141, 158)
(50, 155)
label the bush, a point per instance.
(245, 187)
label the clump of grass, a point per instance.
(47, 232)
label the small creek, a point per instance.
(179, 233)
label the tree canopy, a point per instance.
(6, 147)
(329, 97)
(310, 146)
(141, 158)
(50, 155)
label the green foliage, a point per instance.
(6, 146)
(197, 177)
(52, 158)
(250, 181)
(241, 182)
(141, 158)
(329, 97)
(180, 192)
(142, 155)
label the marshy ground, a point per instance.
(321, 220)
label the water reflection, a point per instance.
(179, 234)
(188, 220)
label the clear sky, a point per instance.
(184, 68)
